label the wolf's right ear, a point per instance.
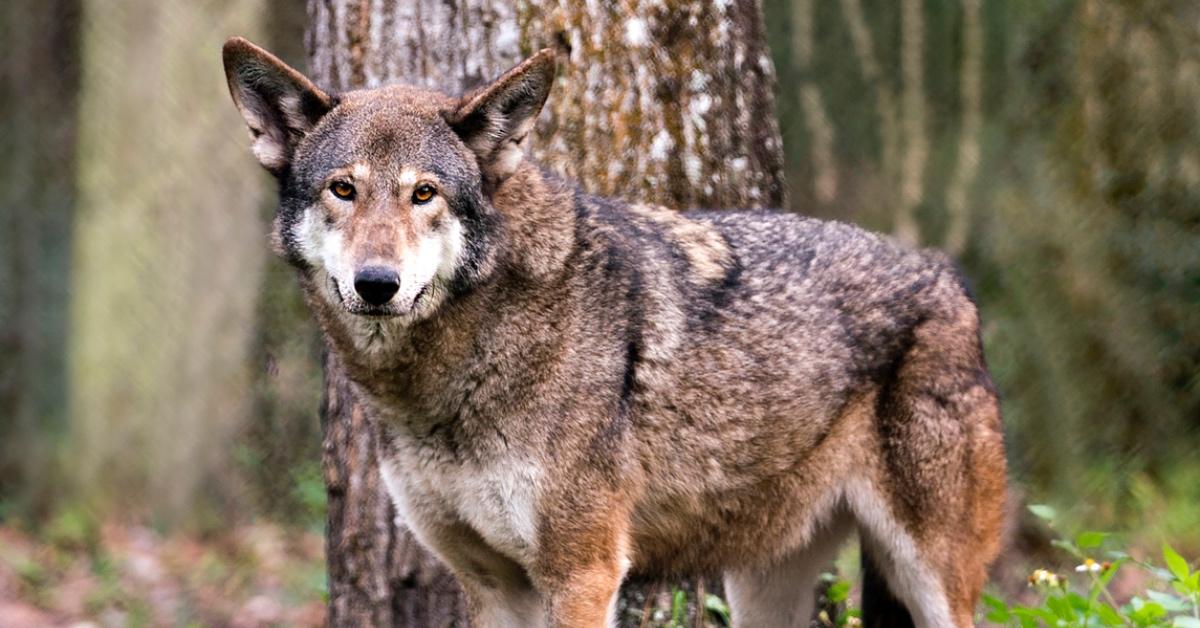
(279, 104)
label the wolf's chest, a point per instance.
(497, 498)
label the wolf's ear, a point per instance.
(279, 104)
(495, 120)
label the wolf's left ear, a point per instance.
(495, 120)
(279, 104)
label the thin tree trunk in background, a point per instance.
(971, 93)
(284, 433)
(820, 128)
(39, 83)
(168, 248)
(913, 125)
(868, 55)
(661, 102)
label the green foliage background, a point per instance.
(1084, 224)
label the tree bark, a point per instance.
(668, 103)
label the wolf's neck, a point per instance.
(538, 218)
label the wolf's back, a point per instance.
(867, 290)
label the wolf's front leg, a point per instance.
(494, 604)
(498, 590)
(586, 598)
(582, 560)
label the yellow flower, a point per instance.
(1043, 577)
(1089, 565)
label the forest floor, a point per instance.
(273, 575)
(256, 575)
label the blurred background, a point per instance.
(160, 378)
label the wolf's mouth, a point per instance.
(420, 293)
(337, 290)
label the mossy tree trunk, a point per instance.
(661, 102)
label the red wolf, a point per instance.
(572, 388)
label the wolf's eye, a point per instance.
(423, 193)
(342, 190)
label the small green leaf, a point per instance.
(994, 603)
(1042, 511)
(997, 610)
(838, 592)
(716, 606)
(1089, 540)
(998, 617)
(1078, 602)
(678, 608)
(1175, 562)
(1108, 615)
(1061, 607)
(1151, 611)
(1035, 614)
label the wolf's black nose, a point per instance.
(376, 284)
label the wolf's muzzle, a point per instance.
(376, 284)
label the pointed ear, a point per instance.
(495, 120)
(278, 103)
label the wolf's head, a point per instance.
(383, 192)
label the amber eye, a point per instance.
(423, 193)
(342, 190)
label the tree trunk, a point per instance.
(661, 102)
(39, 84)
(167, 249)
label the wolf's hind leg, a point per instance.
(880, 608)
(782, 595)
(932, 521)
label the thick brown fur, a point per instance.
(571, 388)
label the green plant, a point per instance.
(836, 597)
(1088, 601)
(717, 607)
(678, 609)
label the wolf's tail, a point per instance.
(880, 608)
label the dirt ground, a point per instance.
(258, 575)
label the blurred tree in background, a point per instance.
(143, 322)
(39, 83)
(1055, 148)
(157, 364)
(167, 259)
